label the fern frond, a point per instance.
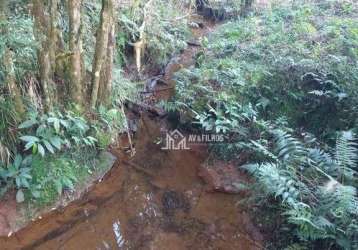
(347, 155)
(346, 201)
(276, 181)
(287, 147)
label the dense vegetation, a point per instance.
(282, 86)
(62, 90)
(280, 83)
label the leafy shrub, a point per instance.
(20, 39)
(111, 123)
(16, 174)
(298, 61)
(54, 131)
(280, 86)
(317, 189)
(165, 31)
(9, 120)
(51, 176)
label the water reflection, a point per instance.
(118, 235)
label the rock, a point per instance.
(106, 160)
(193, 43)
(216, 10)
(223, 177)
(196, 25)
(172, 201)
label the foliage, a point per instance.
(111, 122)
(42, 180)
(165, 28)
(51, 176)
(281, 85)
(68, 138)
(8, 123)
(317, 190)
(123, 90)
(54, 131)
(53, 150)
(18, 174)
(297, 61)
(91, 16)
(18, 36)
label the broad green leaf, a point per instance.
(56, 123)
(65, 123)
(41, 150)
(29, 138)
(29, 145)
(49, 146)
(18, 182)
(25, 183)
(56, 142)
(34, 149)
(17, 161)
(27, 124)
(20, 197)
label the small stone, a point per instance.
(223, 177)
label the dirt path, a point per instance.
(154, 200)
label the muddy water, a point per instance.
(154, 200)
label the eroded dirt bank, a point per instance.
(155, 200)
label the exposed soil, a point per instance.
(154, 200)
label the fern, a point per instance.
(346, 156)
(310, 184)
(287, 147)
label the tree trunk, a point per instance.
(43, 32)
(75, 45)
(107, 71)
(101, 48)
(10, 80)
(245, 7)
(53, 32)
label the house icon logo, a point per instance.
(175, 140)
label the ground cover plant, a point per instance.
(282, 85)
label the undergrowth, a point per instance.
(165, 30)
(281, 85)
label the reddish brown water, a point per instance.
(154, 200)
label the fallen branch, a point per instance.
(128, 134)
(190, 43)
(156, 90)
(139, 168)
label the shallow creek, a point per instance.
(154, 200)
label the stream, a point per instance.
(154, 200)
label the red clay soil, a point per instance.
(223, 177)
(8, 213)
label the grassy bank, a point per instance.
(282, 86)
